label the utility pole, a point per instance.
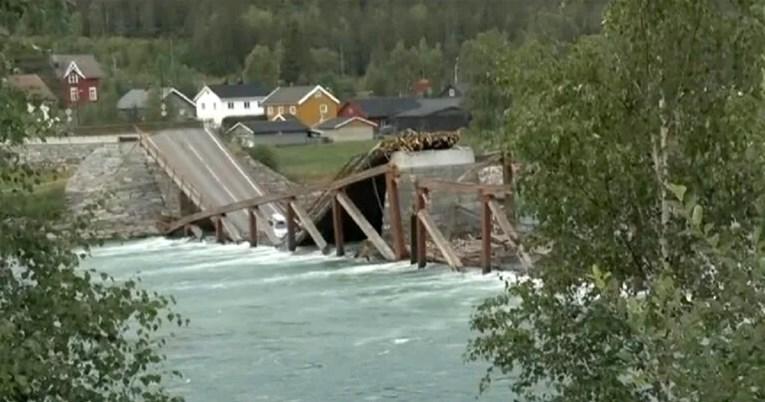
(456, 70)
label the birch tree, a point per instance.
(642, 162)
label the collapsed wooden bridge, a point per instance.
(301, 224)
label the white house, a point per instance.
(216, 102)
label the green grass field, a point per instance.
(317, 162)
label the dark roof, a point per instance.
(340, 121)
(270, 127)
(32, 85)
(460, 89)
(85, 62)
(288, 95)
(383, 107)
(429, 106)
(226, 91)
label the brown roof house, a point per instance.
(33, 87)
(342, 129)
(312, 105)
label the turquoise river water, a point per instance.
(270, 326)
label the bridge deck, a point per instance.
(206, 165)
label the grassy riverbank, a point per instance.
(46, 200)
(317, 162)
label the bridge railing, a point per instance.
(194, 195)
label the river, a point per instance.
(270, 326)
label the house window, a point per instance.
(231, 105)
(293, 110)
(323, 108)
(73, 78)
(270, 110)
(317, 94)
(73, 94)
(281, 109)
(215, 106)
(203, 106)
(92, 94)
(246, 105)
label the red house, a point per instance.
(80, 77)
(379, 110)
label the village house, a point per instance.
(33, 88)
(379, 110)
(174, 105)
(280, 132)
(79, 76)
(217, 102)
(311, 105)
(39, 97)
(458, 90)
(433, 114)
(341, 129)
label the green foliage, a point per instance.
(641, 150)
(66, 334)
(265, 155)
(263, 65)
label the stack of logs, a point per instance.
(412, 141)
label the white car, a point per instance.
(278, 224)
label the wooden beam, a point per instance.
(485, 233)
(253, 227)
(196, 231)
(438, 238)
(266, 199)
(291, 228)
(309, 227)
(394, 213)
(413, 238)
(501, 217)
(421, 205)
(219, 233)
(456, 187)
(337, 225)
(366, 227)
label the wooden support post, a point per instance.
(219, 235)
(486, 225)
(438, 238)
(504, 223)
(422, 251)
(394, 212)
(337, 225)
(413, 238)
(186, 231)
(366, 227)
(291, 228)
(253, 227)
(309, 227)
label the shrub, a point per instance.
(265, 155)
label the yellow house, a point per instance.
(312, 105)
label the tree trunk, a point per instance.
(660, 161)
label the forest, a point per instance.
(351, 46)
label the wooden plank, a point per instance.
(485, 234)
(420, 205)
(438, 238)
(366, 227)
(503, 222)
(413, 238)
(253, 228)
(337, 225)
(197, 232)
(394, 213)
(309, 227)
(291, 228)
(219, 233)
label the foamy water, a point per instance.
(271, 326)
